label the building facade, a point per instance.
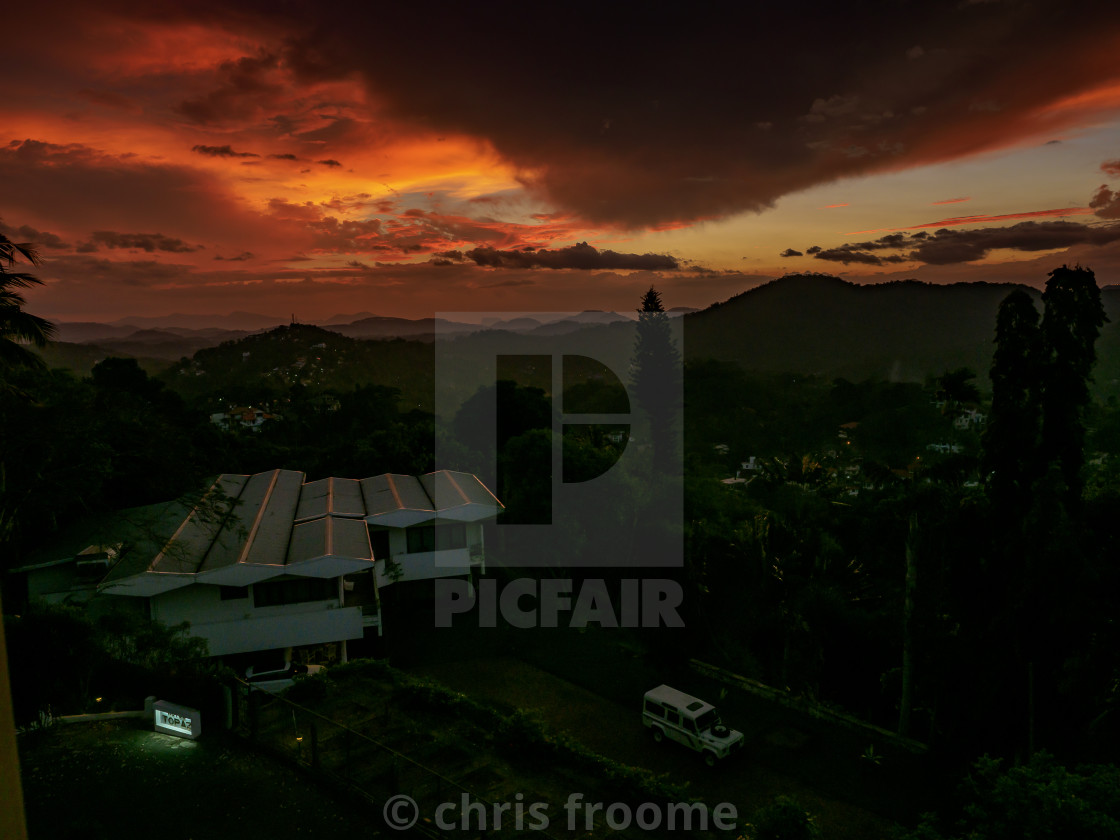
(272, 562)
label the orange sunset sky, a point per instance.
(409, 158)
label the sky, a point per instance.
(407, 159)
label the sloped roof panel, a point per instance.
(389, 492)
(336, 496)
(185, 552)
(330, 536)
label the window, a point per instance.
(379, 542)
(654, 709)
(707, 720)
(421, 538)
(277, 593)
(233, 593)
(436, 538)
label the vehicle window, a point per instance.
(654, 709)
(707, 720)
(690, 725)
(673, 717)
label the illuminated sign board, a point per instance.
(177, 720)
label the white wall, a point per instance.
(426, 565)
(236, 626)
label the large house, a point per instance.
(270, 561)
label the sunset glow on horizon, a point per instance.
(208, 158)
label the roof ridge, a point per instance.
(466, 499)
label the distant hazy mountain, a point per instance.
(523, 324)
(76, 332)
(232, 321)
(597, 316)
(380, 326)
(345, 319)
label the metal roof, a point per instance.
(251, 528)
(335, 496)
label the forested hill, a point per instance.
(819, 324)
(267, 364)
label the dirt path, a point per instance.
(615, 731)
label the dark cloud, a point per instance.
(848, 254)
(221, 151)
(37, 238)
(1106, 203)
(242, 257)
(947, 247)
(789, 252)
(241, 87)
(281, 208)
(285, 157)
(629, 137)
(1111, 167)
(329, 162)
(331, 234)
(580, 256)
(149, 242)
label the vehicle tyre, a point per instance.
(710, 758)
(658, 735)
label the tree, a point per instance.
(1071, 324)
(16, 326)
(1034, 453)
(1038, 800)
(956, 387)
(784, 819)
(1011, 438)
(656, 378)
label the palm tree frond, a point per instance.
(17, 325)
(18, 279)
(9, 250)
(16, 355)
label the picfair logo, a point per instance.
(575, 429)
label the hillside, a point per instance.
(819, 324)
(267, 363)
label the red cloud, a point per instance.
(625, 138)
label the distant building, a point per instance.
(245, 417)
(969, 418)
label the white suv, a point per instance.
(672, 714)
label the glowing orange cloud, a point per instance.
(952, 200)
